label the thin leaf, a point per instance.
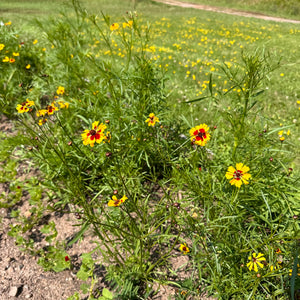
(210, 84)
(198, 99)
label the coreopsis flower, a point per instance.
(60, 90)
(16, 54)
(34, 42)
(256, 260)
(128, 24)
(200, 135)
(114, 26)
(25, 106)
(63, 104)
(51, 109)
(5, 59)
(2, 46)
(280, 135)
(42, 112)
(95, 135)
(184, 248)
(7, 23)
(12, 60)
(116, 202)
(42, 121)
(239, 175)
(152, 120)
(28, 67)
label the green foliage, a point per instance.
(150, 194)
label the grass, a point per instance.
(190, 44)
(195, 205)
(279, 8)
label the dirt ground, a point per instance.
(20, 275)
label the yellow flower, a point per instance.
(5, 59)
(200, 135)
(34, 42)
(2, 46)
(255, 260)
(152, 120)
(12, 60)
(25, 106)
(95, 135)
(8, 23)
(281, 133)
(116, 202)
(184, 248)
(128, 24)
(298, 270)
(42, 121)
(28, 67)
(60, 90)
(51, 109)
(16, 54)
(238, 175)
(114, 26)
(41, 113)
(63, 104)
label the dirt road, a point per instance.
(228, 11)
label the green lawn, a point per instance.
(280, 8)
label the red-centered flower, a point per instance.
(116, 202)
(152, 120)
(95, 135)
(67, 258)
(51, 109)
(25, 106)
(239, 175)
(200, 135)
(184, 248)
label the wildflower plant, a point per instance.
(220, 190)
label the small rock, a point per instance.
(13, 291)
(28, 296)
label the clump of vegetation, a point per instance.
(97, 122)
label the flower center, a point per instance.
(201, 134)
(93, 132)
(238, 174)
